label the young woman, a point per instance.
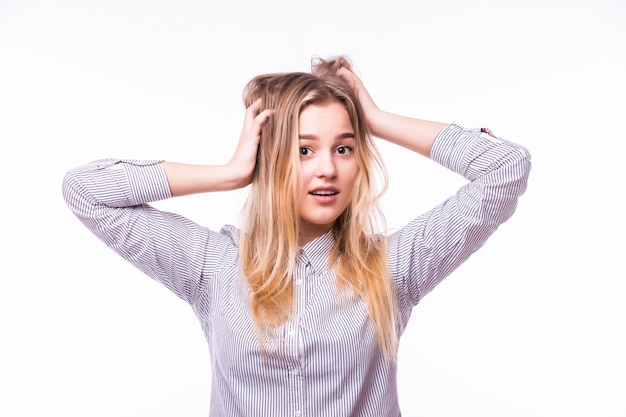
(303, 307)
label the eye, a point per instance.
(304, 151)
(344, 150)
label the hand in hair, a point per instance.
(368, 104)
(243, 161)
(187, 179)
(411, 133)
(341, 67)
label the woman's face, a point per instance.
(329, 168)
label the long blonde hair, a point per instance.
(269, 238)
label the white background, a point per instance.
(532, 325)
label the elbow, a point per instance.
(68, 185)
(517, 170)
(524, 166)
(510, 183)
(74, 198)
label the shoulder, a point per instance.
(222, 249)
(230, 234)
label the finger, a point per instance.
(347, 76)
(255, 107)
(263, 116)
(251, 112)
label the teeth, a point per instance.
(324, 192)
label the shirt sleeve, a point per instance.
(111, 196)
(430, 247)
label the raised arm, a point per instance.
(415, 134)
(434, 244)
(187, 179)
(111, 198)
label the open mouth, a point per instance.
(324, 193)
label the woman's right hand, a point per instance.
(242, 164)
(187, 179)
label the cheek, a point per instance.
(354, 171)
(306, 172)
(351, 174)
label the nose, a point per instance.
(326, 167)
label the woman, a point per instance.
(303, 307)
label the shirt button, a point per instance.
(292, 333)
(295, 372)
(299, 281)
(298, 413)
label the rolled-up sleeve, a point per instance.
(430, 247)
(110, 197)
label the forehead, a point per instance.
(324, 118)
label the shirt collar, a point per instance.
(317, 251)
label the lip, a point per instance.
(327, 188)
(325, 199)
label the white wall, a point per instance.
(532, 325)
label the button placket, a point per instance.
(294, 336)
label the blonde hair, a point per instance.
(269, 239)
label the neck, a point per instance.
(308, 234)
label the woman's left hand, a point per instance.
(372, 112)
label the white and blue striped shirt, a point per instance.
(325, 361)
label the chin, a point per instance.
(324, 224)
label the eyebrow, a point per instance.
(347, 135)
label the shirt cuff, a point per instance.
(146, 179)
(456, 147)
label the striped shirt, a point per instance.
(325, 361)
